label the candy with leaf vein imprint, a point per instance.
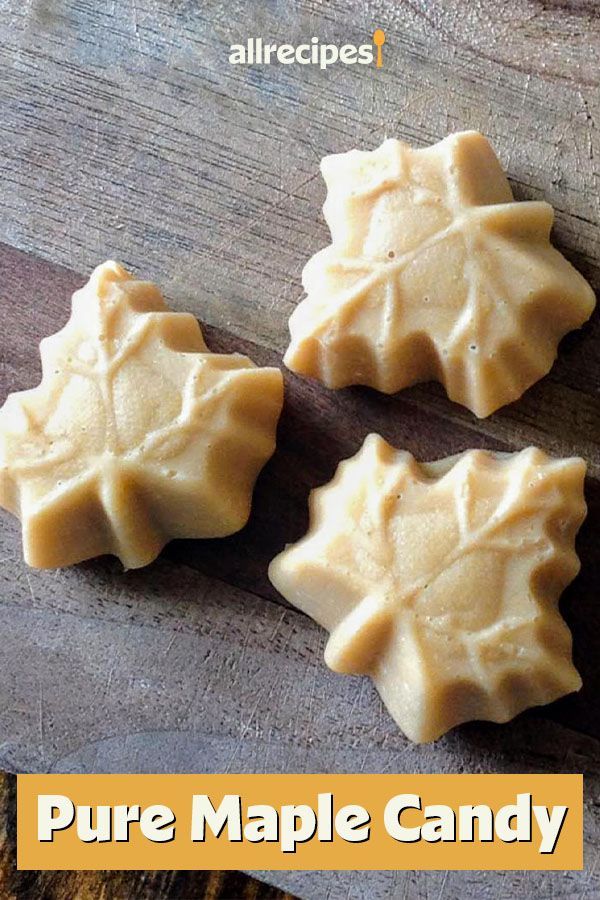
(434, 272)
(137, 433)
(441, 580)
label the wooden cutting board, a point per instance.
(126, 134)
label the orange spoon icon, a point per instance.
(379, 41)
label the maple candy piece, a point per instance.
(434, 272)
(136, 434)
(441, 580)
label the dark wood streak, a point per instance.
(24, 885)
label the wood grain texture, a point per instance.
(126, 134)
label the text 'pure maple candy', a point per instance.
(136, 434)
(434, 272)
(441, 580)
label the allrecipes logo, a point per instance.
(257, 53)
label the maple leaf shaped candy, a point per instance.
(136, 434)
(434, 272)
(441, 580)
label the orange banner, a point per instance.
(262, 822)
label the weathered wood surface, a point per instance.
(125, 133)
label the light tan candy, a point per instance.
(434, 272)
(137, 433)
(441, 580)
